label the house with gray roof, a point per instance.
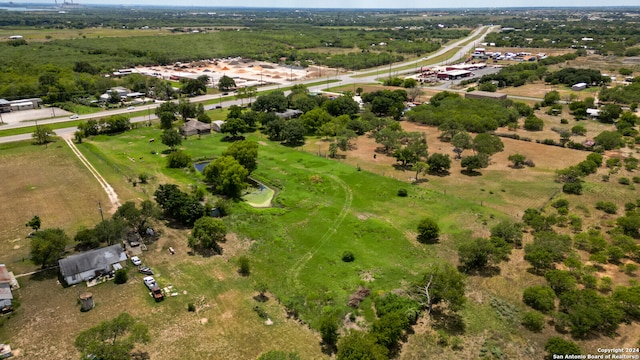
(195, 127)
(91, 264)
(289, 114)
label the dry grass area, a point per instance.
(224, 325)
(523, 188)
(49, 182)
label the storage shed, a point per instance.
(579, 86)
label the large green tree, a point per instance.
(234, 126)
(487, 144)
(207, 233)
(47, 246)
(441, 284)
(227, 176)
(226, 83)
(359, 345)
(113, 339)
(245, 152)
(42, 135)
(171, 138)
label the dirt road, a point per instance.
(113, 197)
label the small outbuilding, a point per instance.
(217, 125)
(195, 127)
(579, 86)
(91, 264)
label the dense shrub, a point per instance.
(607, 206)
(428, 231)
(402, 192)
(533, 321)
(178, 160)
(348, 256)
(533, 123)
(540, 297)
(121, 276)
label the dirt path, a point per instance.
(113, 197)
(297, 267)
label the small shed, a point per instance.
(594, 113)
(217, 125)
(579, 86)
(195, 127)
(90, 264)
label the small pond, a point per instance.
(257, 195)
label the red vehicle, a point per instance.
(152, 285)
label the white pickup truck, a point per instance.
(151, 283)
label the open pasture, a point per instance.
(46, 181)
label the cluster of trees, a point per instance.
(168, 112)
(516, 75)
(450, 110)
(179, 205)
(441, 289)
(481, 254)
(113, 339)
(569, 76)
(386, 102)
(627, 94)
(111, 125)
(128, 217)
(588, 304)
(572, 177)
(48, 245)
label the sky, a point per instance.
(355, 4)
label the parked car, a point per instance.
(152, 285)
(136, 261)
(145, 270)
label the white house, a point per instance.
(217, 125)
(90, 264)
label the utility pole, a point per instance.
(100, 209)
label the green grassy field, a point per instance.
(323, 207)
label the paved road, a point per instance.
(225, 101)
